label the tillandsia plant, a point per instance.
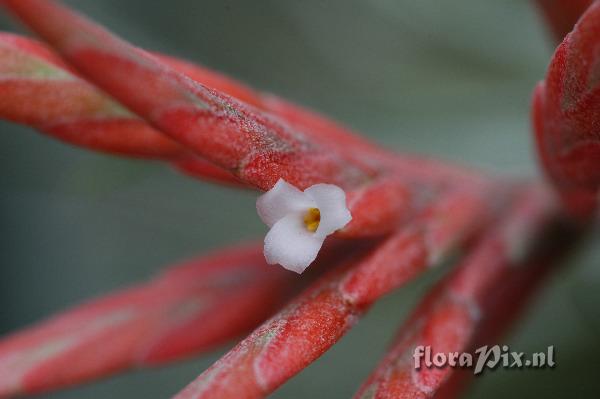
(364, 220)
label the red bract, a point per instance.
(562, 14)
(449, 318)
(94, 90)
(188, 309)
(566, 114)
(257, 148)
(315, 321)
(42, 91)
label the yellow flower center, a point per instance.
(312, 219)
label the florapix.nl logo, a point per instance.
(485, 357)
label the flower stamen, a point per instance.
(312, 218)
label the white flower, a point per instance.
(300, 221)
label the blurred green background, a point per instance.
(446, 79)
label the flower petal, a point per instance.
(283, 199)
(291, 245)
(331, 201)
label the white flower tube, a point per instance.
(300, 221)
